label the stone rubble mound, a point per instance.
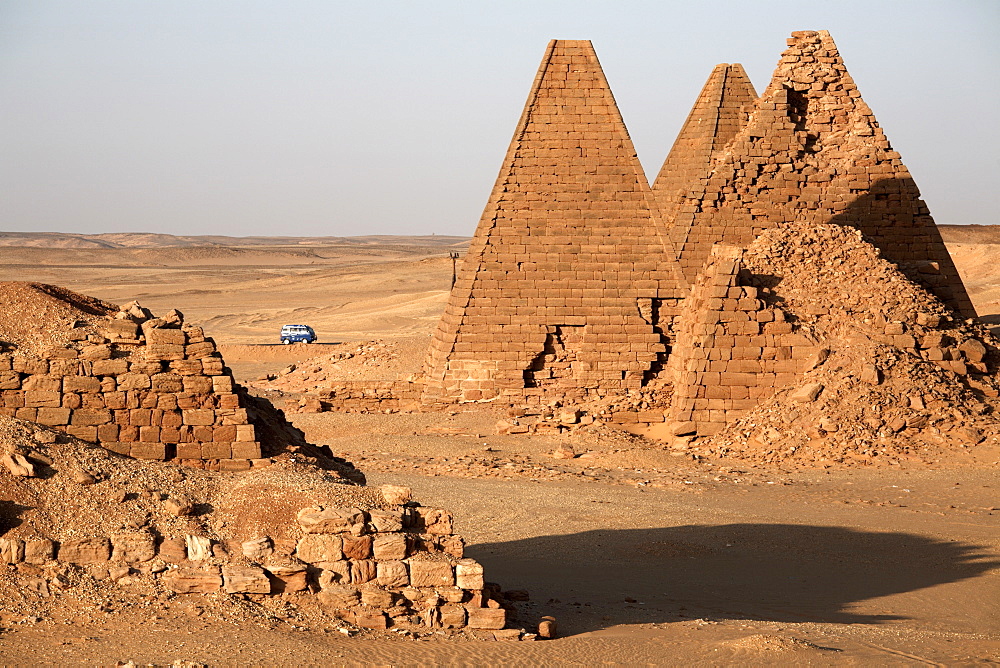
(901, 377)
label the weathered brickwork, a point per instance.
(374, 567)
(569, 281)
(717, 115)
(733, 350)
(811, 150)
(146, 387)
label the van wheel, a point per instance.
(286, 341)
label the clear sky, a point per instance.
(322, 117)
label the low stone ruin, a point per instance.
(147, 387)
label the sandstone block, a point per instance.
(389, 547)
(198, 416)
(329, 520)
(198, 384)
(173, 550)
(148, 451)
(362, 571)
(396, 495)
(11, 550)
(386, 521)
(199, 548)
(108, 367)
(243, 450)
(133, 547)
(453, 616)
(371, 619)
(469, 574)
(486, 618)
(334, 573)
(289, 574)
(392, 574)
(165, 336)
(43, 383)
(357, 547)
(216, 451)
(807, 393)
(193, 580)
(313, 548)
(122, 329)
(166, 382)
(257, 549)
(427, 573)
(974, 350)
(435, 521)
(212, 366)
(10, 380)
(452, 545)
(18, 465)
(339, 597)
(222, 385)
(133, 381)
(374, 597)
(245, 580)
(42, 399)
(38, 551)
(199, 350)
(85, 550)
(165, 351)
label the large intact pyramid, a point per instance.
(570, 279)
(810, 151)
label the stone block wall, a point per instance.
(154, 390)
(374, 568)
(733, 350)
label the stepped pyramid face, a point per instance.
(811, 150)
(716, 117)
(570, 279)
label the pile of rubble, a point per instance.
(899, 378)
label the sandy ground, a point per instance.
(643, 555)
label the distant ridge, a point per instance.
(970, 234)
(152, 240)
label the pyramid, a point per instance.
(811, 150)
(570, 281)
(716, 117)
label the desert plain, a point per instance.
(642, 552)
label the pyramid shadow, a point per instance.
(771, 572)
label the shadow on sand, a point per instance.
(774, 572)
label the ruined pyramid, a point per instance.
(718, 114)
(570, 277)
(811, 150)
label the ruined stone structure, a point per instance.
(569, 282)
(811, 150)
(582, 284)
(733, 349)
(718, 114)
(143, 387)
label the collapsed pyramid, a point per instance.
(569, 282)
(810, 150)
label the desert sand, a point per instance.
(643, 554)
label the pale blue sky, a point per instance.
(392, 117)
